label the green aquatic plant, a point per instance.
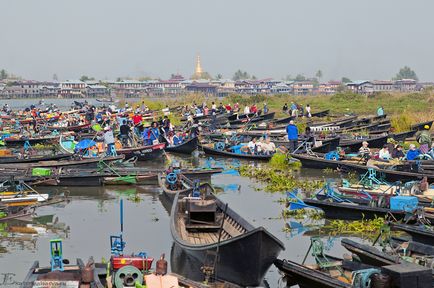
(313, 214)
(282, 161)
(365, 228)
(278, 180)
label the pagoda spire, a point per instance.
(198, 70)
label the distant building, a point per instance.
(302, 87)
(361, 87)
(73, 89)
(329, 88)
(382, 85)
(206, 88)
(21, 89)
(405, 85)
(96, 91)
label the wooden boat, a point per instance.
(317, 161)
(212, 151)
(91, 162)
(212, 227)
(354, 145)
(306, 277)
(322, 113)
(372, 256)
(400, 137)
(143, 153)
(259, 118)
(12, 141)
(34, 158)
(419, 233)
(25, 199)
(420, 126)
(9, 213)
(75, 128)
(347, 211)
(237, 116)
(183, 185)
(186, 147)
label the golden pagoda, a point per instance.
(198, 69)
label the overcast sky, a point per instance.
(369, 39)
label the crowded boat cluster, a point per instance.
(90, 145)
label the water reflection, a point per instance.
(93, 215)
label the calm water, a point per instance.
(86, 223)
(61, 103)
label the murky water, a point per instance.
(86, 223)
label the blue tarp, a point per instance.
(85, 144)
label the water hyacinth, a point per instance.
(277, 177)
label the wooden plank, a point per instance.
(231, 230)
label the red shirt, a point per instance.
(253, 109)
(137, 119)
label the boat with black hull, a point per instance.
(213, 151)
(203, 226)
(186, 147)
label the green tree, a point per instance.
(288, 78)
(346, 80)
(240, 75)
(85, 78)
(406, 73)
(300, 77)
(3, 74)
(319, 75)
(219, 76)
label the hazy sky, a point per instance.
(369, 39)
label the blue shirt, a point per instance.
(177, 140)
(154, 134)
(412, 154)
(292, 132)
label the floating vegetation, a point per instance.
(278, 180)
(281, 161)
(362, 228)
(328, 171)
(313, 214)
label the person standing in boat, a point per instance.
(292, 132)
(155, 133)
(294, 111)
(424, 139)
(194, 129)
(265, 109)
(109, 140)
(236, 107)
(308, 111)
(125, 131)
(247, 109)
(380, 111)
(285, 108)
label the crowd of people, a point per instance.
(297, 110)
(393, 150)
(261, 146)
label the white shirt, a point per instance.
(246, 110)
